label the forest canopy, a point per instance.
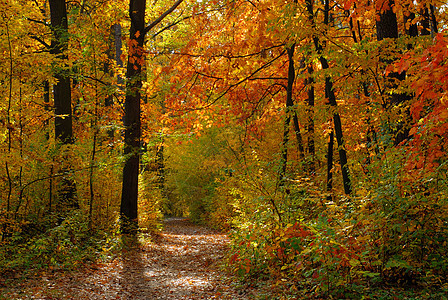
(314, 132)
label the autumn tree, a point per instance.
(62, 97)
(132, 115)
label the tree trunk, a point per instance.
(386, 24)
(330, 95)
(62, 90)
(425, 22)
(161, 167)
(387, 27)
(330, 165)
(132, 123)
(62, 101)
(114, 54)
(433, 19)
(309, 83)
(298, 136)
(288, 110)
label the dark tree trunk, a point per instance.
(118, 45)
(62, 90)
(161, 168)
(62, 102)
(114, 53)
(298, 136)
(433, 19)
(387, 27)
(330, 95)
(47, 137)
(309, 83)
(160, 157)
(425, 22)
(411, 26)
(330, 165)
(386, 24)
(132, 123)
(289, 109)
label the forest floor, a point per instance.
(181, 262)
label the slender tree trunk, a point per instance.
(8, 119)
(132, 123)
(160, 158)
(288, 111)
(114, 54)
(309, 82)
(47, 137)
(94, 125)
(161, 167)
(118, 52)
(331, 97)
(299, 139)
(370, 135)
(20, 151)
(330, 165)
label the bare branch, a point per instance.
(162, 16)
(40, 41)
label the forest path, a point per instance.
(181, 262)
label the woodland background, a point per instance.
(314, 132)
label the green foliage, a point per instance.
(393, 236)
(195, 169)
(62, 247)
(151, 199)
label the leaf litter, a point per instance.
(181, 262)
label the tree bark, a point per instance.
(425, 22)
(288, 110)
(132, 123)
(387, 27)
(330, 95)
(386, 24)
(330, 165)
(433, 19)
(62, 90)
(114, 53)
(309, 83)
(62, 102)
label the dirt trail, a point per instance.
(182, 262)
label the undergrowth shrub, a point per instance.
(62, 247)
(393, 235)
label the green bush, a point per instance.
(62, 247)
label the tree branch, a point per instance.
(162, 16)
(38, 21)
(171, 25)
(40, 41)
